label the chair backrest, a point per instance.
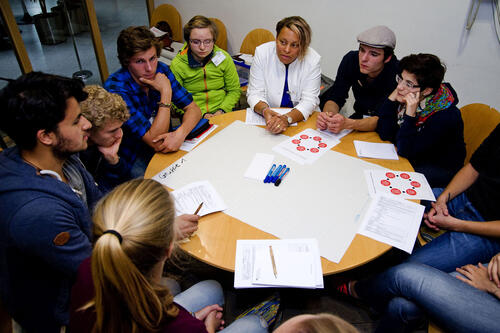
(254, 38)
(167, 12)
(479, 120)
(221, 40)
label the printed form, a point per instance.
(393, 221)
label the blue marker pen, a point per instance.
(275, 174)
(266, 180)
(279, 173)
(278, 182)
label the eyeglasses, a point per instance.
(408, 84)
(197, 42)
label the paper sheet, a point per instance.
(259, 167)
(297, 261)
(393, 221)
(385, 151)
(188, 145)
(335, 136)
(189, 197)
(253, 118)
(402, 184)
(306, 147)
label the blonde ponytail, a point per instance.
(134, 229)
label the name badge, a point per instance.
(218, 58)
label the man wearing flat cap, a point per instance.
(370, 72)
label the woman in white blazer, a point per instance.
(285, 73)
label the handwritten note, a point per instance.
(161, 176)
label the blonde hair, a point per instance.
(324, 323)
(301, 28)
(102, 106)
(141, 211)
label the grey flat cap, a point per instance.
(379, 37)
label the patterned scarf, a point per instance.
(441, 100)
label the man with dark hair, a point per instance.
(371, 73)
(45, 198)
(149, 88)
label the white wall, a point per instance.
(431, 26)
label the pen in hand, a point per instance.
(198, 209)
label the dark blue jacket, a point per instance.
(436, 148)
(368, 96)
(106, 175)
(45, 233)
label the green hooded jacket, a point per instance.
(213, 87)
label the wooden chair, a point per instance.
(221, 40)
(479, 120)
(254, 38)
(167, 12)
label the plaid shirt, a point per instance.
(142, 107)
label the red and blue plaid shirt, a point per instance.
(142, 107)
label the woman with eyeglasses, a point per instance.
(205, 70)
(120, 288)
(285, 73)
(421, 118)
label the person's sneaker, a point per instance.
(267, 310)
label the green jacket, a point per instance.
(213, 87)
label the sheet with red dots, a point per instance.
(402, 184)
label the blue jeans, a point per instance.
(456, 249)
(210, 292)
(407, 292)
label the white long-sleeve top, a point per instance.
(267, 79)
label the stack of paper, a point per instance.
(292, 263)
(376, 150)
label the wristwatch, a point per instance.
(289, 120)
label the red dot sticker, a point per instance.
(411, 191)
(303, 136)
(322, 145)
(301, 148)
(296, 141)
(415, 184)
(385, 182)
(314, 150)
(404, 175)
(390, 175)
(317, 138)
(395, 191)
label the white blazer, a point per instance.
(267, 79)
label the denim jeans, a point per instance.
(456, 249)
(210, 292)
(405, 293)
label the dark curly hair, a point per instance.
(36, 101)
(427, 68)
